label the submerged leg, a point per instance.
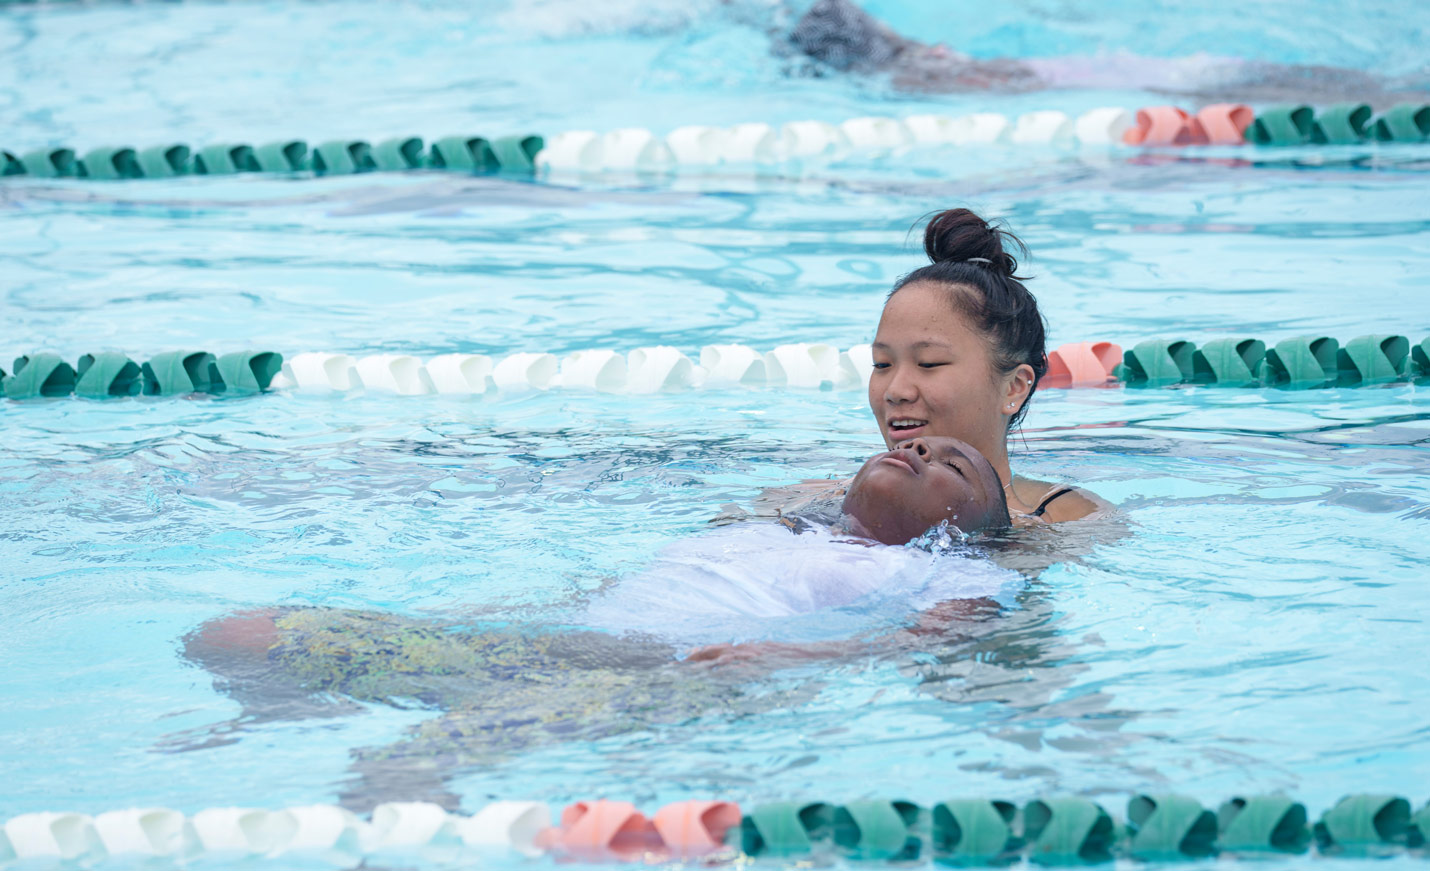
(499, 692)
(235, 650)
(557, 688)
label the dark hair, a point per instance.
(969, 259)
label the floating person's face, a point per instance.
(898, 495)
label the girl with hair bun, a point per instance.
(959, 352)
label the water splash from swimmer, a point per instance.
(942, 539)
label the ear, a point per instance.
(1016, 387)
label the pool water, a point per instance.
(1252, 620)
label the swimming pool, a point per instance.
(1255, 628)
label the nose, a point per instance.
(899, 389)
(918, 446)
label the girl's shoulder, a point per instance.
(1056, 503)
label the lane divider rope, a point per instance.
(1156, 126)
(969, 831)
(1300, 362)
(471, 154)
(699, 146)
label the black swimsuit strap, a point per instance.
(1042, 506)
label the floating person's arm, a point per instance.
(777, 655)
(946, 620)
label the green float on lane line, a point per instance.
(164, 161)
(1282, 125)
(973, 831)
(1170, 827)
(181, 372)
(106, 375)
(40, 376)
(248, 371)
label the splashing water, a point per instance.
(944, 539)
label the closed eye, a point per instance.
(954, 466)
(931, 365)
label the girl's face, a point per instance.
(934, 376)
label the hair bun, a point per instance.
(959, 235)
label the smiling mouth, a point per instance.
(905, 425)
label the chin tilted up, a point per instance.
(900, 494)
(879, 515)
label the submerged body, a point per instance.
(614, 664)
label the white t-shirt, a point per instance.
(761, 581)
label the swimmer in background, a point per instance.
(505, 689)
(841, 36)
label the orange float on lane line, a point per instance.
(1165, 125)
(1082, 364)
(1225, 123)
(604, 828)
(694, 828)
